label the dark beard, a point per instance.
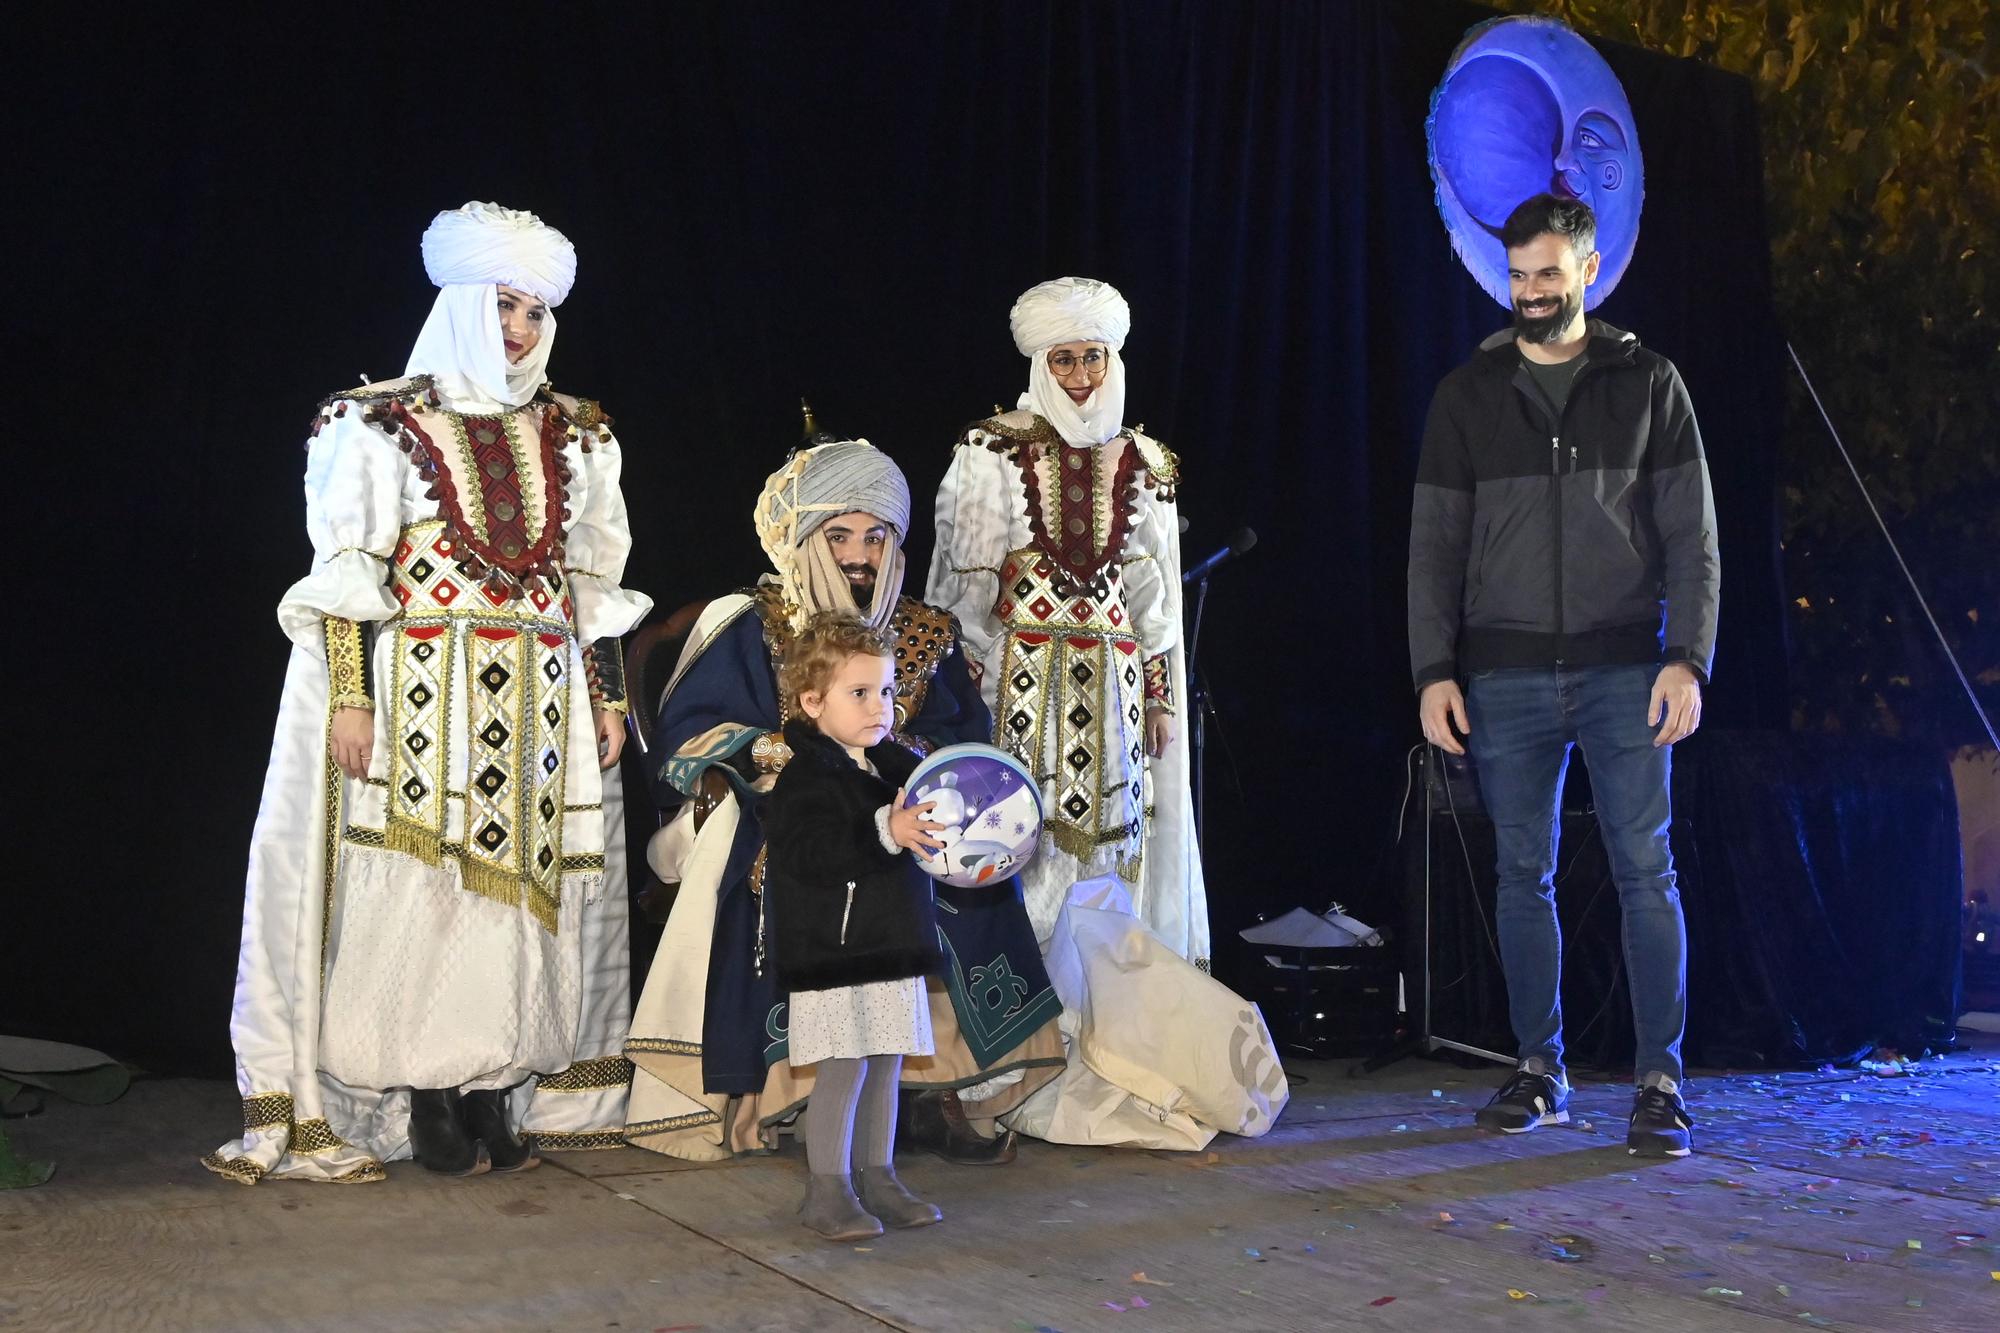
(864, 593)
(1548, 328)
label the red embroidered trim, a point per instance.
(485, 559)
(1080, 565)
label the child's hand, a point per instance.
(909, 829)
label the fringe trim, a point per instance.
(506, 887)
(413, 839)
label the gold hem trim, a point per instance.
(663, 1045)
(670, 1125)
(577, 1140)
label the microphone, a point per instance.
(1244, 539)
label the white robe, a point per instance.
(982, 517)
(1159, 1054)
(366, 971)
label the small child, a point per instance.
(852, 927)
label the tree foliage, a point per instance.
(1883, 184)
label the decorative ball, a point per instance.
(990, 808)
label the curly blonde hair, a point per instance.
(820, 649)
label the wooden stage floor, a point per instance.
(1822, 1200)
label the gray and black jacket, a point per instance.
(1545, 541)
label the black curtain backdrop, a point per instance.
(834, 200)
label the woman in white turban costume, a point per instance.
(434, 954)
(1058, 549)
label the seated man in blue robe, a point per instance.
(708, 1039)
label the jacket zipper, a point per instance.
(1555, 486)
(845, 912)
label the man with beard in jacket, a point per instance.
(1563, 563)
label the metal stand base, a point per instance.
(1423, 1041)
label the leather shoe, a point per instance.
(935, 1122)
(439, 1139)
(486, 1120)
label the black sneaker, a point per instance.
(1661, 1126)
(1526, 1101)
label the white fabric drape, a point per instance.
(1161, 1055)
(1100, 417)
(460, 347)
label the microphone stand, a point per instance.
(1199, 708)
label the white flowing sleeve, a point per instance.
(972, 527)
(1153, 573)
(354, 515)
(598, 544)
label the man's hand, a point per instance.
(1440, 705)
(610, 736)
(353, 740)
(1159, 731)
(1676, 704)
(909, 829)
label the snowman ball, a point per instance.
(990, 808)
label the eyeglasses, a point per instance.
(1095, 363)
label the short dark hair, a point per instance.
(1552, 214)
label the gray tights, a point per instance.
(852, 1117)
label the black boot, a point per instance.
(486, 1120)
(935, 1122)
(439, 1138)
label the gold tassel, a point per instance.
(413, 839)
(490, 881)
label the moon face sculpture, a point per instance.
(1527, 106)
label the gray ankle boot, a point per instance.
(889, 1199)
(832, 1210)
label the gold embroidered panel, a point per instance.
(1071, 706)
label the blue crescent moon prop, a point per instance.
(1527, 106)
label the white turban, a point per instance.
(470, 253)
(1069, 310)
(1073, 310)
(821, 483)
(484, 243)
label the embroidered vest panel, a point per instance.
(1081, 503)
(1071, 704)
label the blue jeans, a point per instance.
(1524, 721)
